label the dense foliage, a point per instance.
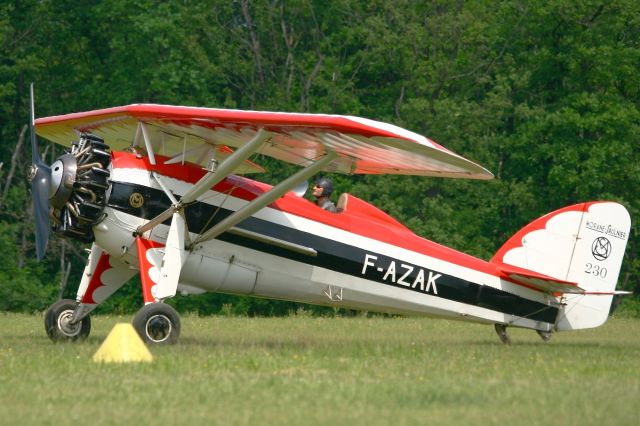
(544, 94)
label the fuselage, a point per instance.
(292, 250)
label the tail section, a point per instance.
(582, 244)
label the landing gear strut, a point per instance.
(58, 322)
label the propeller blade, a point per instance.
(35, 152)
(40, 181)
(40, 194)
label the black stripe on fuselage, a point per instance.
(335, 256)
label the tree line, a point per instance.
(543, 94)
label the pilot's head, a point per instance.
(322, 187)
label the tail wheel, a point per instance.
(58, 324)
(158, 323)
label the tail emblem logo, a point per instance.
(601, 248)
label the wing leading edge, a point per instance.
(362, 146)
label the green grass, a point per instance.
(306, 370)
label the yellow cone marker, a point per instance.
(123, 345)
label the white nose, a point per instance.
(57, 170)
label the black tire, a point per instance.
(158, 324)
(57, 326)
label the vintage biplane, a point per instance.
(158, 191)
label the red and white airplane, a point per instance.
(156, 190)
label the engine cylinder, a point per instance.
(79, 186)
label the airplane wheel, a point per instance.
(544, 335)
(58, 326)
(158, 324)
(501, 330)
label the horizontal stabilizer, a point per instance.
(538, 281)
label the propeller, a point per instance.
(40, 177)
(71, 193)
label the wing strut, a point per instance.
(148, 144)
(208, 180)
(265, 199)
(175, 256)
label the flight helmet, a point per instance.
(326, 185)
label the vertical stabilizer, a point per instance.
(595, 266)
(583, 243)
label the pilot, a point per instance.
(322, 190)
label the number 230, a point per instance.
(595, 270)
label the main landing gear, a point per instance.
(58, 324)
(156, 323)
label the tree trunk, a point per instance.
(14, 162)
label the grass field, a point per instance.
(308, 370)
